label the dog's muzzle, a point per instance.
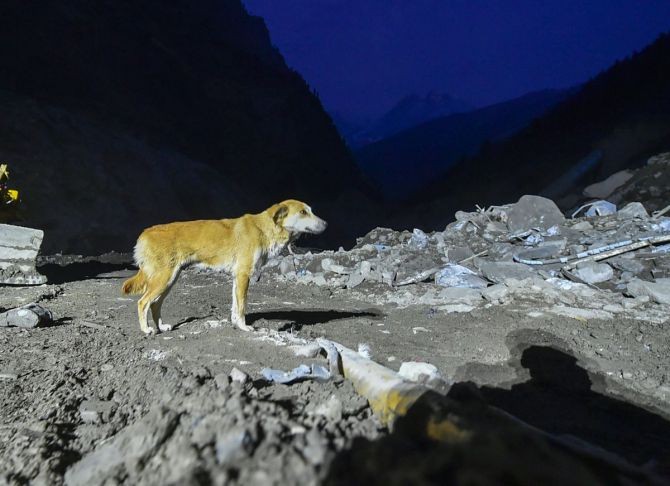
(320, 227)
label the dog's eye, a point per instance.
(303, 212)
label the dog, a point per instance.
(239, 246)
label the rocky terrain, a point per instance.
(560, 322)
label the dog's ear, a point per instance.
(280, 214)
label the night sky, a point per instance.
(364, 55)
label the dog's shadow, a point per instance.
(297, 319)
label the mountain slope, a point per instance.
(413, 110)
(200, 80)
(409, 111)
(411, 159)
(617, 120)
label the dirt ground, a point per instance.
(91, 400)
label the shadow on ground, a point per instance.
(59, 274)
(299, 318)
(558, 398)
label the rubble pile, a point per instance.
(609, 263)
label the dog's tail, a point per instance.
(136, 284)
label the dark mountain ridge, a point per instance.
(201, 79)
(411, 159)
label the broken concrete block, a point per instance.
(27, 317)
(533, 212)
(454, 275)
(355, 279)
(460, 295)
(498, 272)
(593, 272)
(497, 294)
(18, 250)
(658, 291)
(632, 210)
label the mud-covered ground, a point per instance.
(92, 400)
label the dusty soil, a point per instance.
(92, 400)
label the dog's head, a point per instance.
(296, 217)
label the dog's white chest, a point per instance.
(275, 250)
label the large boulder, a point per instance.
(533, 212)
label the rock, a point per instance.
(582, 226)
(419, 239)
(331, 409)
(419, 372)
(631, 211)
(286, 265)
(602, 189)
(28, 317)
(458, 254)
(660, 159)
(355, 279)
(593, 272)
(579, 313)
(460, 295)
(125, 452)
(533, 212)
(329, 266)
(498, 272)
(316, 448)
(658, 291)
(496, 294)
(458, 308)
(454, 275)
(366, 268)
(96, 411)
(237, 376)
(233, 446)
(18, 250)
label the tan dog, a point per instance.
(239, 246)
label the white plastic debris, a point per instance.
(300, 372)
(533, 239)
(597, 208)
(553, 231)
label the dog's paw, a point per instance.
(240, 323)
(165, 327)
(149, 331)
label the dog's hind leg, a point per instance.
(240, 288)
(156, 313)
(156, 286)
(156, 306)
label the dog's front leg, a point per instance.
(240, 288)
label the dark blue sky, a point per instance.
(363, 55)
